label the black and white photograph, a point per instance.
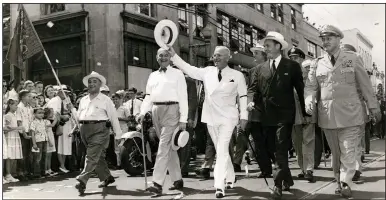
(193, 100)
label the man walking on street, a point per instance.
(303, 133)
(167, 98)
(336, 76)
(253, 126)
(275, 81)
(223, 86)
(96, 115)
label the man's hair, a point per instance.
(225, 48)
(38, 82)
(27, 83)
(23, 93)
(133, 90)
(115, 95)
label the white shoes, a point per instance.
(9, 178)
(4, 181)
(64, 170)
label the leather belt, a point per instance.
(165, 103)
(92, 121)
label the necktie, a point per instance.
(162, 69)
(332, 60)
(219, 75)
(273, 66)
(202, 96)
(132, 107)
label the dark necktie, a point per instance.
(219, 75)
(332, 60)
(132, 107)
(202, 96)
(273, 66)
(162, 69)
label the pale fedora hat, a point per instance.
(179, 139)
(272, 35)
(165, 33)
(258, 47)
(94, 75)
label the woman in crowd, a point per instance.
(49, 92)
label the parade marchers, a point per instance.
(279, 102)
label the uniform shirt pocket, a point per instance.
(349, 74)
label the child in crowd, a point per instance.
(49, 115)
(39, 130)
(11, 139)
(41, 100)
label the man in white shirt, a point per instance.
(133, 105)
(223, 86)
(167, 98)
(96, 115)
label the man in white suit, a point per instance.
(223, 86)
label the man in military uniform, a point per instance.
(336, 76)
(303, 132)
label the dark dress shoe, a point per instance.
(286, 187)
(301, 175)
(177, 185)
(356, 176)
(362, 158)
(219, 193)
(230, 185)
(204, 172)
(264, 175)
(338, 190)
(309, 176)
(185, 174)
(156, 189)
(346, 191)
(248, 159)
(237, 167)
(107, 182)
(276, 192)
(80, 186)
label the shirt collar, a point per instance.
(97, 97)
(336, 54)
(167, 69)
(224, 69)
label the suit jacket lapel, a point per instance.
(212, 81)
(266, 70)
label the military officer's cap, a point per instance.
(349, 47)
(330, 30)
(294, 51)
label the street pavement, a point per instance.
(247, 187)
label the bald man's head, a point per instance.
(163, 57)
(221, 56)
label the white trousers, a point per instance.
(343, 143)
(223, 169)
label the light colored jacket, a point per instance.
(339, 104)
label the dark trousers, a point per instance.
(201, 133)
(279, 139)
(111, 157)
(242, 141)
(265, 147)
(27, 160)
(39, 158)
(185, 153)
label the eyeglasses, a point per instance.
(34, 97)
(40, 113)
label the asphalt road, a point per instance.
(247, 186)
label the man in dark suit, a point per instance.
(274, 82)
(185, 152)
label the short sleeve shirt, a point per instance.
(40, 129)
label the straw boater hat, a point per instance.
(258, 47)
(165, 33)
(179, 139)
(94, 75)
(277, 37)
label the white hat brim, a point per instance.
(98, 76)
(182, 140)
(283, 43)
(171, 33)
(257, 49)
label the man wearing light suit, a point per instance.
(223, 86)
(338, 76)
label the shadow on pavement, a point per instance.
(355, 195)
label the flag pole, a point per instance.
(52, 68)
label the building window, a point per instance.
(183, 18)
(311, 49)
(241, 37)
(293, 19)
(140, 53)
(273, 11)
(52, 8)
(147, 9)
(322, 51)
(248, 39)
(259, 7)
(199, 19)
(280, 16)
(223, 30)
